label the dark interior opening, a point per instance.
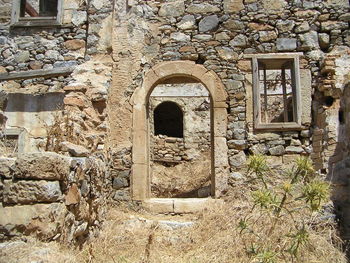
(168, 120)
(44, 8)
(328, 101)
(341, 116)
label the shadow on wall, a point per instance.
(339, 167)
(19, 102)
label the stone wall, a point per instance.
(111, 45)
(52, 197)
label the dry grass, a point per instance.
(136, 236)
(215, 237)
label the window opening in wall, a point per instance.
(168, 120)
(276, 92)
(29, 13)
(38, 8)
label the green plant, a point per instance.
(295, 199)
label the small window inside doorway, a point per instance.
(168, 120)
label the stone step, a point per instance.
(178, 205)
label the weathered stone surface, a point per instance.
(233, 6)
(236, 176)
(35, 64)
(30, 192)
(294, 149)
(7, 167)
(309, 40)
(42, 220)
(121, 195)
(79, 17)
(239, 41)
(22, 56)
(237, 144)
(202, 8)
(227, 53)
(274, 6)
(259, 149)
(45, 166)
(333, 25)
(303, 27)
(285, 25)
(119, 183)
(176, 8)
(75, 100)
(266, 36)
(73, 195)
(75, 88)
(52, 54)
(323, 40)
(180, 37)
(187, 22)
(286, 44)
(234, 25)
(75, 150)
(74, 44)
(208, 23)
(277, 150)
(238, 160)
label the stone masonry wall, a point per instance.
(218, 34)
(111, 45)
(52, 197)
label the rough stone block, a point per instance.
(286, 44)
(187, 22)
(176, 8)
(238, 161)
(208, 23)
(42, 166)
(193, 205)
(74, 149)
(73, 195)
(233, 6)
(7, 167)
(277, 150)
(30, 192)
(309, 40)
(159, 205)
(39, 219)
(202, 8)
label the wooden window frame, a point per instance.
(296, 124)
(51, 21)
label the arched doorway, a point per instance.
(140, 179)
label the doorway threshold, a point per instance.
(178, 205)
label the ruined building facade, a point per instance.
(145, 100)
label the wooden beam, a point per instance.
(30, 10)
(40, 73)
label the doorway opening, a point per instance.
(180, 139)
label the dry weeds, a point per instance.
(215, 237)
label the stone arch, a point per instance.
(140, 179)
